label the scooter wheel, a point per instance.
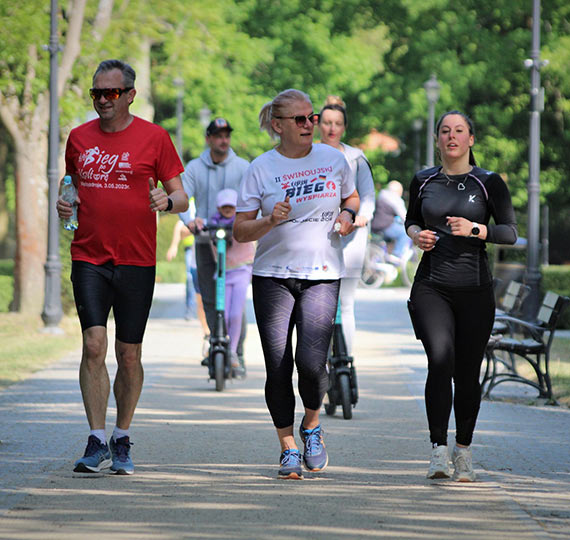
(345, 395)
(219, 369)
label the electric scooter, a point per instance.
(219, 358)
(343, 388)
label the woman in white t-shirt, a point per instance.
(302, 193)
(332, 125)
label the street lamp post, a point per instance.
(179, 83)
(52, 312)
(417, 125)
(205, 114)
(432, 92)
(532, 274)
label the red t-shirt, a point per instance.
(115, 220)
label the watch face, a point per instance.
(475, 231)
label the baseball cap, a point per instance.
(217, 125)
(227, 197)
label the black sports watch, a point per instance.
(169, 205)
(475, 229)
(351, 212)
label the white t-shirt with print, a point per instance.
(305, 246)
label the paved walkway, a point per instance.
(206, 461)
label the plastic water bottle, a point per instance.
(69, 194)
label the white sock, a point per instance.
(100, 434)
(118, 433)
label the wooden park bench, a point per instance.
(528, 341)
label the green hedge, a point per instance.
(556, 279)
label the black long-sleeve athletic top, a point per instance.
(459, 261)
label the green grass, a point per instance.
(25, 348)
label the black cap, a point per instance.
(217, 125)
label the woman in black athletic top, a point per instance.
(451, 303)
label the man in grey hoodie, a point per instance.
(217, 168)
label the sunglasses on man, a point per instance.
(110, 94)
(300, 119)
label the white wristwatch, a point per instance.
(475, 229)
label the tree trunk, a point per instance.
(142, 105)
(31, 224)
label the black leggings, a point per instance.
(310, 307)
(454, 326)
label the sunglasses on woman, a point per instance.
(301, 120)
(110, 94)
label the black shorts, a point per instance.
(126, 289)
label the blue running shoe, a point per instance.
(96, 458)
(315, 456)
(290, 465)
(120, 450)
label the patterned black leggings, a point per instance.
(310, 307)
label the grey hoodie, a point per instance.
(203, 179)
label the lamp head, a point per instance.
(432, 89)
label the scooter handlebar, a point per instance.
(210, 229)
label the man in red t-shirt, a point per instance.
(115, 162)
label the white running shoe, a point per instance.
(462, 461)
(439, 464)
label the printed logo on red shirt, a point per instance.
(96, 164)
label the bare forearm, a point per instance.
(249, 230)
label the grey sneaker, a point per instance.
(439, 463)
(462, 461)
(315, 457)
(290, 465)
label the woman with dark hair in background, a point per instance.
(332, 125)
(451, 302)
(306, 197)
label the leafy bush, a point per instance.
(165, 227)
(175, 270)
(6, 292)
(6, 284)
(170, 272)
(6, 267)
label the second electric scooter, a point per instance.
(343, 389)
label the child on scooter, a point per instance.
(239, 260)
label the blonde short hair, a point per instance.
(277, 106)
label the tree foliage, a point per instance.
(234, 55)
